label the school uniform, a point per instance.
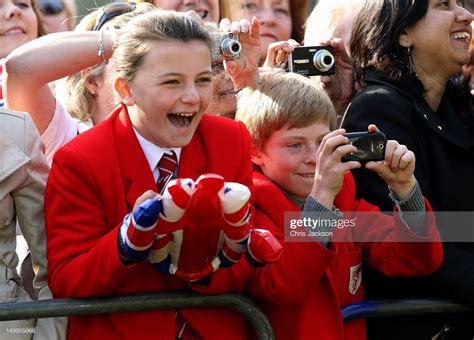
(321, 279)
(94, 182)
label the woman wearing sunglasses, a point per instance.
(81, 56)
(57, 15)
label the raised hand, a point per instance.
(397, 169)
(244, 70)
(329, 174)
(340, 85)
(278, 52)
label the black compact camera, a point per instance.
(312, 61)
(225, 46)
(370, 146)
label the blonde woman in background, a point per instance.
(31, 68)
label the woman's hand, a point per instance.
(278, 52)
(329, 175)
(340, 85)
(244, 70)
(397, 169)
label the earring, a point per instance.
(94, 93)
(411, 66)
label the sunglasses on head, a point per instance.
(112, 10)
(51, 7)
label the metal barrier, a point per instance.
(385, 308)
(135, 303)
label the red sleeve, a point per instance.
(298, 271)
(244, 174)
(82, 249)
(416, 255)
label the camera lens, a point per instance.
(230, 48)
(323, 60)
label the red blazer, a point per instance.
(94, 182)
(305, 289)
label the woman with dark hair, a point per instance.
(406, 54)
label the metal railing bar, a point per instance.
(406, 307)
(135, 303)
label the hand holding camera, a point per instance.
(340, 86)
(226, 46)
(340, 152)
(397, 169)
(278, 52)
(312, 61)
(329, 174)
(389, 159)
(244, 69)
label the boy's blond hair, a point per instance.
(283, 100)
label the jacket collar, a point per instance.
(136, 173)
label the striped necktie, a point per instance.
(166, 166)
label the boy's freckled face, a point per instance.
(288, 157)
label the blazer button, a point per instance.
(426, 117)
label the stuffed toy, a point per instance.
(195, 228)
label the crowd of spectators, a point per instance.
(130, 155)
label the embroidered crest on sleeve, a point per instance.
(355, 278)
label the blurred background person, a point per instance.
(88, 93)
(330, 23)
(20, 22)
(280, 20)
(331, 19)
(58, 15)
(208, 10)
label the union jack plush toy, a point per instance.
(196, 228)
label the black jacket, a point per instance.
(443, 143)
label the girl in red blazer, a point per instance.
(300, 170)
(163, 77)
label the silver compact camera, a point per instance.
(312, 61)
(225, 46)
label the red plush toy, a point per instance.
(205, 225)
